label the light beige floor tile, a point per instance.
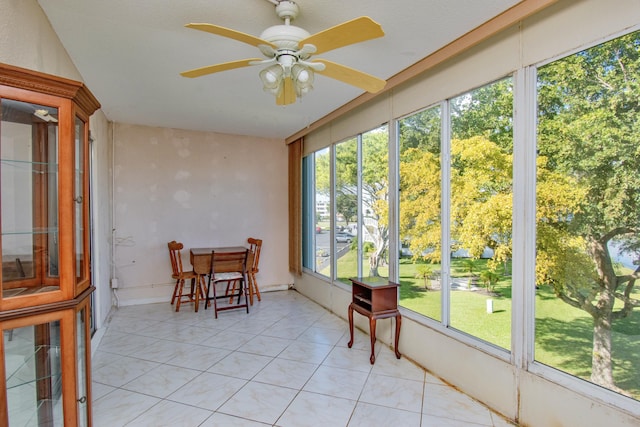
(161, 381)
(349, 358)
(207, 391)
(259, 402)
(388, 364)
(266, 346)
(338, 382)
(120, 407)
(306, 352)
(317, 410)
(393, 392)
(224, 420)
(168, 413)
(122, 371)
(240, 365)
(99, 390)
(444, 401)
(367, 415)
(322, 335)
(286, 373)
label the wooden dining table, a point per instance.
(201, 262)
(201, 258)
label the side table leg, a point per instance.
(350, 343)
(372, 332)
(398, 322)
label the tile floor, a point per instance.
(286, 363)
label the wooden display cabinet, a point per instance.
(44, 246)
(376, 298)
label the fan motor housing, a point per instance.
(284, 36)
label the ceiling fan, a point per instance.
(289, 49)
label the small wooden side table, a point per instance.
(376, 298)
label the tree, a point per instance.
(346, 205)
(589, 132)
(375, 195)
(587, 189)
(374, 187)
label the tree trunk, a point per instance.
(373, 264)
(601, 369)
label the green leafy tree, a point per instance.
(375, 190)
(587, 185)
(589, 132)
(347, 205)
(375, 195)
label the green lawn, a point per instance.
(563, 334)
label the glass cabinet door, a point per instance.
(34, 375)
(83, 366)
(80, 199)
(29, 198)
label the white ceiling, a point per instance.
(130, 54)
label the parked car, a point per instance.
(344, 237)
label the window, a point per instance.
(316, 212)
(360, 219)
(481, 163)
(419, 224)
(587, 215)
(477, 261)
(374, 204)
(346, 218)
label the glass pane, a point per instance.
(587, 210)
(34, 376)
(79, 199)
(29, 184)
(308, 213)
(346, 220)
(81, 349)
(481, 212)
(420, 226)
(375, 202)
(323, 211)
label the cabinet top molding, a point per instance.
(36, 81)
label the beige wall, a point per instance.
(534, 395)
(27, 40)
(201, 189)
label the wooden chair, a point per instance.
(180, 276)
(255, 246)
(228, 267)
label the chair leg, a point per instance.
(243, 285)
(180, 287)
(249, 288)
(207, 298)
(175, 291)
(215, 301)
(254, 285)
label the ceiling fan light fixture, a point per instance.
(303, 79)
(271, 78)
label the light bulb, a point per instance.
(303, 76)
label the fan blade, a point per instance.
(350, 32)
(287, 94)
(232, 34)
(350, 76)
(210, 69)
